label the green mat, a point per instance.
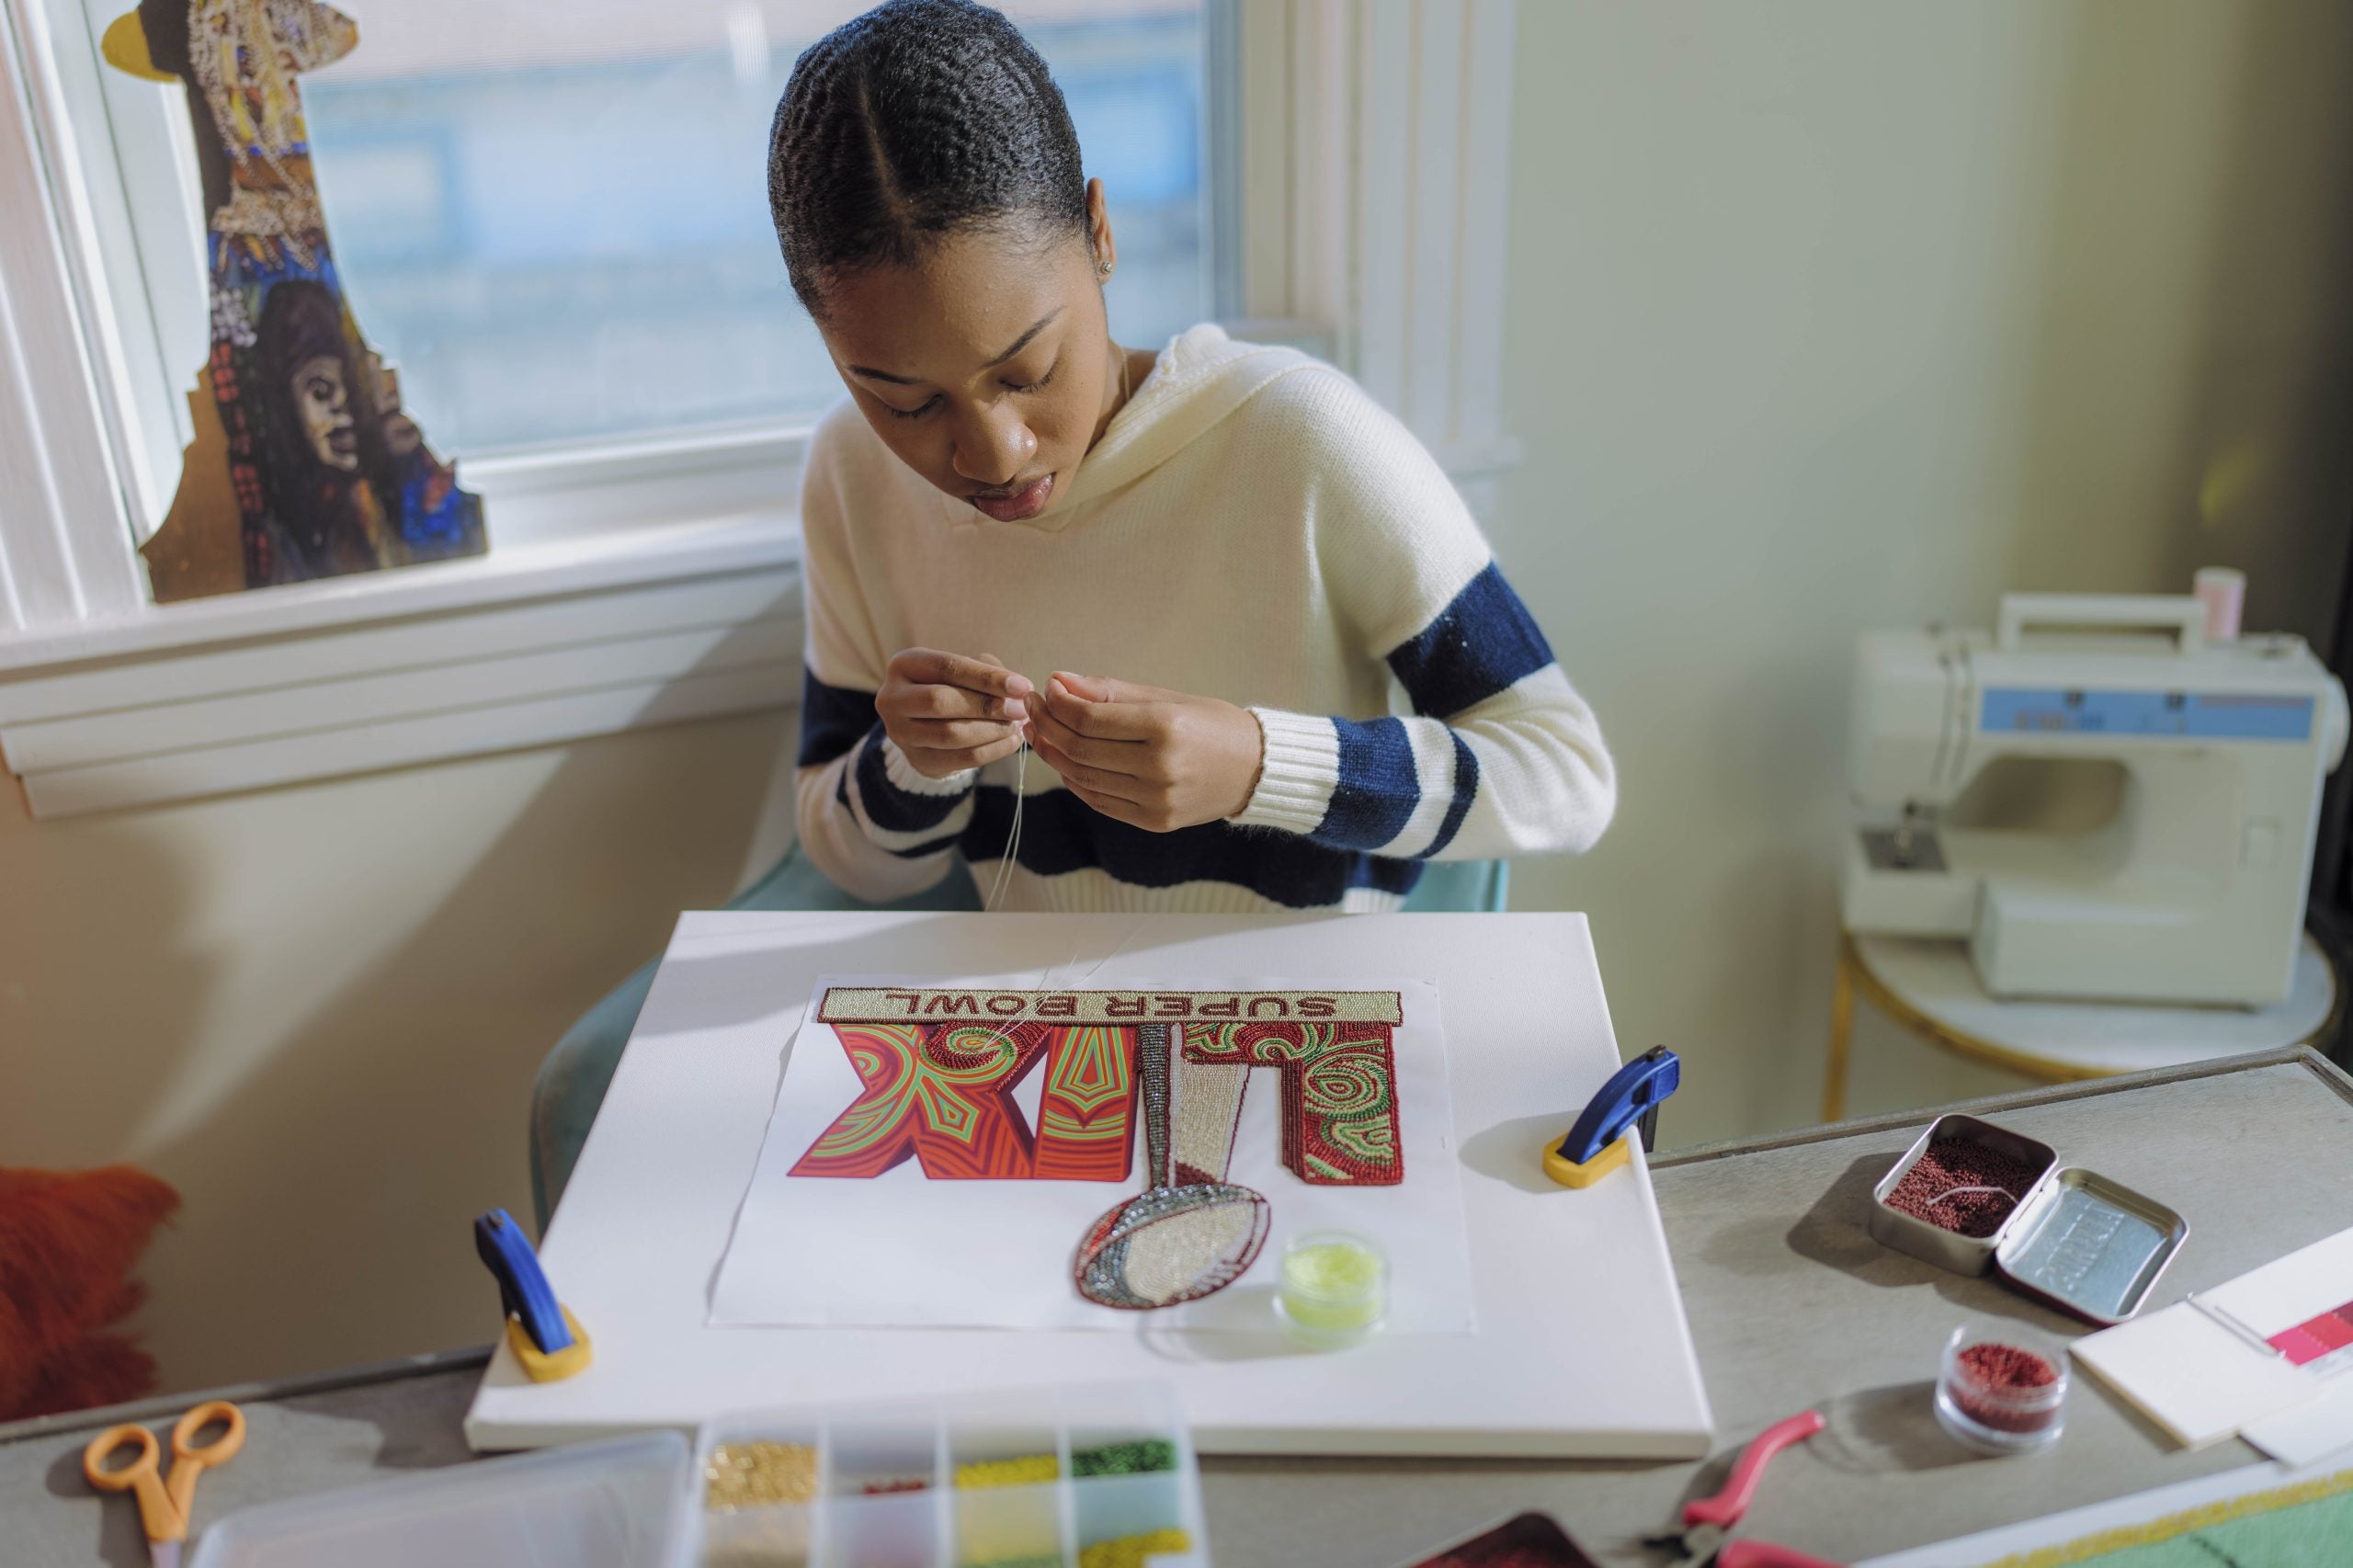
(2309, 1525)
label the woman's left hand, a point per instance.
(1159, 760)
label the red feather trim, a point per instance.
(68, 1240)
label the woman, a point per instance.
(1186, 579)
(324, 514)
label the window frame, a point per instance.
(584, 619)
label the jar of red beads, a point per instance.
(2002, 1390)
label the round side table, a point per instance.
(1931, 989)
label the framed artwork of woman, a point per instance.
(305, 465)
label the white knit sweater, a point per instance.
(1251, 526)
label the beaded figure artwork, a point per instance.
(305, 465)
(938, 1069)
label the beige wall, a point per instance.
(317, 1011)
(1834, 314)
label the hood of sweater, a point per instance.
(1200, 379)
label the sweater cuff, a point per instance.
(902, 775)
(1300, 771)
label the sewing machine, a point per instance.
(2102, 803)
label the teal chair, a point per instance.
(573, 1078)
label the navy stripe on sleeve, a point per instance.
(1466, 788)
(1061, 833)
(833, 720)
(1477, 646)
(889, 808)
(929, 846)
(1378, 788)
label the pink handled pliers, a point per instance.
(1709, 1520)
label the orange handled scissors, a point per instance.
(164, 1505)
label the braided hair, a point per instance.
(919, 119)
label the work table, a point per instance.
(1792, 1304)
(1793, 1307)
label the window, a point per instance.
(551, 220)
(544, 233)
(575, 244)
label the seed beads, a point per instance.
(2007, 1368)
(1171, 1246)
(2007, 1388)
(1132, 1551)
(1030, 1470)
(754, 1475)
(1340, 1089)
(1961, 1186)
(1208, 1114)
(1125, 1458)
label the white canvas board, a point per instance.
(904, 1250)
(1581, 1350)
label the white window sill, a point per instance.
(529, 645)
(533, 644)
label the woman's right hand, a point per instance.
(948, 712)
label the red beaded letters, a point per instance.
(937, 1070)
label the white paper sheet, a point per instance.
(2191, 1375)
(2201, 1368)
(2290, 1290)
(2321, 1430)
(902, 1250)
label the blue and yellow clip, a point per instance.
(546, 1339)
(1598, 1145)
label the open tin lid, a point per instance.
(2088, 1245)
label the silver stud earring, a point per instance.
(1104, 268)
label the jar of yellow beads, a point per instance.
(1333, 1288)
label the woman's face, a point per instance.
(323, 404)
(987, 367)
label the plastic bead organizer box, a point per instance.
(1093, 1476)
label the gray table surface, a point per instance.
(1792, 1304)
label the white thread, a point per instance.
(1013, 840)
(1133, 932)
(1957, 1191)
(1004, 869)
(1046, 980)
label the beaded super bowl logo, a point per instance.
(938, 1069)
